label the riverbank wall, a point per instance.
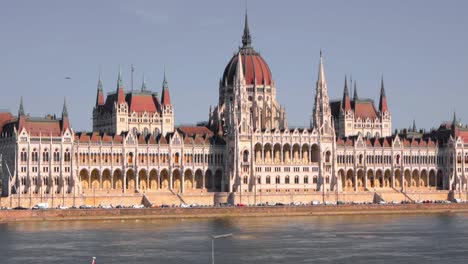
(204, 212)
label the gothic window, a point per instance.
(56, 155)
(306, 179)
(245, 156)
(296, 179)
(277, 180)
(24, 155)
(45, 155)
(259, 180)
(286, 180)
(176, 158)
(327, 156)
(268, 180)
(246, 180)
(130, 157)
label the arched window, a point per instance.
(306, 179)
(45, 155)
(24, 155)
(268, 180)
(176, 157)
(246, 180)
(296, 179)
(56, 155)
(286, 180)
(327, 156)
(398, 159)
(278, 180)
(130, 157)
(245, 156)
(259, 179)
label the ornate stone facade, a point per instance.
(246, 146)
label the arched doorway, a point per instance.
(118, 180)
(95, 182)
(188, 180)
(164, 180)
(199, 179)
(398, 179)
(370, 179)
(142, 180)
(130, 180)
(153, 179)
(106, 180)
(84, 179)
(208, 180)
(176, 181)
(217, 180)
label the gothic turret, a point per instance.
(346, 102)
(383, 108)
(21, 108)
(120, 90)
(322, 113)
(65, 120)
(100, 93)
(246, 38)
(355, 96)
(165, 97)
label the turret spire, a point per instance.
(246, 38)
(100, 93)
(21, 108)
(120, 91)
(321, 73)
(383, 98)
(143, 84)
(346, 103)
(64, 110)
(355, 96)
(414, 126)
(165, 97)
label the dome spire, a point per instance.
(246, 38)
(21, 107)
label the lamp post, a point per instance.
(212, 244)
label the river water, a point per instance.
(434, 238)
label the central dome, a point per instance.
(256, 70)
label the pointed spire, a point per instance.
(64, 110)
(120, 91)
(165, 97)
(246, 38)
(99, 86)
(119, 78)
(100, 93)
(346, 103)
(355, 96)
(414, 129)
(21, 108)
(383, 98)
(454, 121)
(321, 73)
(143, 84)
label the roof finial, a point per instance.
(321, 74)
(64, 110)
(164, 80)
(454, 121)
(143, 85)
(119, 79)
(355, 96)
(382, 89)
(246, 38)
(99, 86)
(21, 107)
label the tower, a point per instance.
(384, 113)
(167, 108)
(322, 118)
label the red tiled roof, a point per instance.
(254, 68)
(5, 117)
(364, 109)
(141, 102)
(195, 130)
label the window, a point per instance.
(268, 180)
(306, 179)
(45, 155)
(259, 180)
(296, 179)
(35, 156)
(246, 180)
(277, 180)
(286, 180)
(245, 156)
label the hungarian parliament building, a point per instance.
(245, 146)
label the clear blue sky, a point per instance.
(420, 46)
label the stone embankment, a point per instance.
(264, 211)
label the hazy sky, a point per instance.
(421, 48)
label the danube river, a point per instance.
(432, 238)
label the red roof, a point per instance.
(195, 130)
(364, 109)
(4, 118)
(254, 67)
(141, 102)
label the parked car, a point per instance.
(138, 206)
(20, 208)
(316, 203)
(62, 207)
(41, 206)
(183, 205)
(164, 206)
(84, 206)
